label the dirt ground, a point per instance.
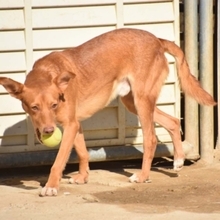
(194, 193)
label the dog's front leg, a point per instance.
(52, 185)
(80, 147)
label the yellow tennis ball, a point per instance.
(52, 140)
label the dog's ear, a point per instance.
(63, 80)
(14, 88)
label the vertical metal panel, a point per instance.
(218, 70)
(177, 106)
(191, 52)
(206, 78)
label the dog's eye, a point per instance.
(35, 108)
(54, 106)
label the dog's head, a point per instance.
(41, 98)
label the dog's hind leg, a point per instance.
(171, 124)
(143, 176)
(80, 147)
(144, 108)
(149, 141)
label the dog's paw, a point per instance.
(138, 178)
(48, 191)
(178, 164)
(79, 179)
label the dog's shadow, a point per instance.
(37, 176)
(32, 178)
(28, 178)
(160, 165)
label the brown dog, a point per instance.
(69, 86)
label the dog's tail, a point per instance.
(190, 85)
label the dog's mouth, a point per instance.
(38, 134)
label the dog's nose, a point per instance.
(48, 130)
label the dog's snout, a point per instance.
(48, 130)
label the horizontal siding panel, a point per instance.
(160, 131)
(133, 140)
(172, 74)
(161, 30)
(12, 40)
(10, 105)
(162, 135)
(71, 37)
(134, 132)
(39, 54)
(169, 109)
(13, 125)
(148, 13)
(12, 61)
(131, 120)
(136, 135)
(113, 103)
(133, 136)
(11, 4)
(56, 3)
(103, 142)
(12, 19)
(10, 144)
(169, 58)
(101, 134)
(167, 94)
(72, 17)
(148, 1)
(105, 119)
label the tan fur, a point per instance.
(69, 86)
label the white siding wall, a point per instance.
(32, 29)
